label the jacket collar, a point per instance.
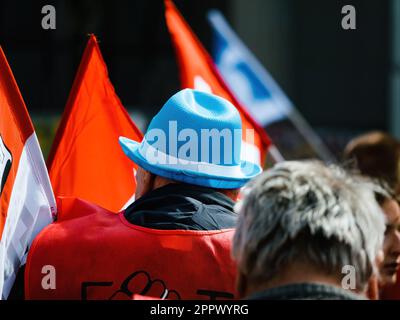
(202, 194)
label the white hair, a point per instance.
(306, 210)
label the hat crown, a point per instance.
(197, 126)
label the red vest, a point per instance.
(102, 256)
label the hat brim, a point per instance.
(247, 170)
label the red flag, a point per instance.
(27, 203)
(197, 71)
(86, 160)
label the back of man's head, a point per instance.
(306, 212)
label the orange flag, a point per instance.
(86, 160)
(27, 203)
(197, 71)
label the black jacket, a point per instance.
(182, 206)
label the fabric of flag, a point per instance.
(197, 71)
(27, 202)
(258, 92)
(86, 160)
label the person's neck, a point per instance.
(295, 274)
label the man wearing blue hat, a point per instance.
(193, 145)
(174, 241)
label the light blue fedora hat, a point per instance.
(195, 138)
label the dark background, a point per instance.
(338, 79)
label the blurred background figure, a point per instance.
(307, 231)
(377, 155)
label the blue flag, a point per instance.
(256, 90)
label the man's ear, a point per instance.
(144, 182)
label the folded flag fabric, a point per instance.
(86, 160)
(197, 71)
(27, 203)
(258, 92)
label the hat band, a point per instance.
(155, 156)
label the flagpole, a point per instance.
(275, 154)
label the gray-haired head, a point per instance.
(309, 212)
